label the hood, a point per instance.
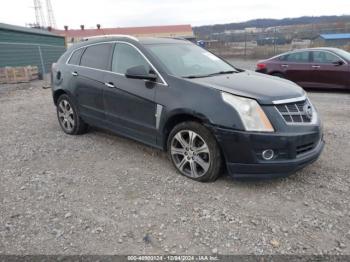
(263, 88)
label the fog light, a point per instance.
(268, 154)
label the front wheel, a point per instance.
(195, 152)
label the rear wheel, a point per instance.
(68, 117)
(195, 152)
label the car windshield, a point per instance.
(189, 60)
(344, 54)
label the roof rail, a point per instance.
(176, 38)
(105, 36)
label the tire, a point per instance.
(280, 75)
(199, 159)
(68, 117)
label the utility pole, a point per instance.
(245, 44)
(39, 15)
(274, 41)
(50, 15)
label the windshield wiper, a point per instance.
(223, 73)
(209, 75)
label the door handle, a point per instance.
(74, 73)
(316, 66)
(110, 85)
(285, 66)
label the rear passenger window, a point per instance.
(301, 57)
(97, 56)
(75, 58)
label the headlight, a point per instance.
(252, 115)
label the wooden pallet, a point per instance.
(20, 74)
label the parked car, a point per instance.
(311, 68)
(178, 97)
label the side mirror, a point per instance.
(338, 63)
(140, 72)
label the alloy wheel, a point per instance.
(66, 115)
(190, 153)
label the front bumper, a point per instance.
(293, 151)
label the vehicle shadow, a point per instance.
(225, 180)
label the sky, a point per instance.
(125, 13)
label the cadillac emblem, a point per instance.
(308, 110)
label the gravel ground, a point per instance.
(241, 63)
(102, 194)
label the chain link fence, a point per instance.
(257, 43)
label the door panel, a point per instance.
(129, 103)
(327, 75)
(130, 107)
(330, 76)
(297, 68)
(299, 73)
(89, 85)
(90, 76)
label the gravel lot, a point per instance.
(103, 194)
(240, 63)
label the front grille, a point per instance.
(296, 112)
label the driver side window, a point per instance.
(125, 56)
(324, 57)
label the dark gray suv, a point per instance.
(178, 97)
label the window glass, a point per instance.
(343, 53)
(301, 57)
(75, 58)
(125, 56)
(324, 57)
(188, 59)
(97, 56)
(283, 57)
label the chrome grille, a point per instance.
(296, 112)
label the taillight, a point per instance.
(261, 66)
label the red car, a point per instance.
(311, 68)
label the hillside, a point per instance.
(264, 23)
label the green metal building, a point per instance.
(22, 46)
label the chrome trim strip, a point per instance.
(114, 42)
(289, 100)
(109, 85)
(159, 111)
